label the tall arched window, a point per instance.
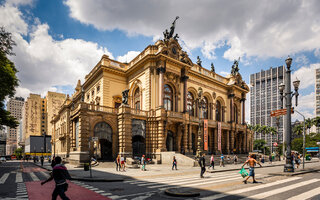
(137, 99)
(168, 98)
(218, 111)
(205, 108)
(190, 107)
(235, 113)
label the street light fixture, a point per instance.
(286, 89)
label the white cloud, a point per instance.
(128, 56)
(302, 59)
(306, 105)
(19, 2)
(317, 53)
(251, 28)
(44, 62)
(306, 75)
(224, 73)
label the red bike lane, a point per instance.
(36, 191)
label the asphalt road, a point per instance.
(20, 180)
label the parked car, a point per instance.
(3, 159)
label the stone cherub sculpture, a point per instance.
(212, 68)
(125, 95)
(199, 61)
(235, 67)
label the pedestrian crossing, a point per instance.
(20, 177)
(272, 189)
(193, 181)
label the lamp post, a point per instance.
(201, 105)
(304, 137)
(278, 125)
(288, 167)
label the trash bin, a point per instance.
(86, 166)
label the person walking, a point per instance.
(117, 161)
(53, 162)
(143, 163)
(42, 160)
(202, 163)
(298, 160)
(251, 163)
(270, 159)
(59, 175)
(174, 163)
(235, 159)
(211, 162)
(221, 160)
(122, 163)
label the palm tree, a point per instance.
(298, 129)
(264, 130)
(257, 128)
(272, 131)
(308, 124)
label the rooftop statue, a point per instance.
(167, 35)
(125, 97)
(235, 67)
(212, 68)
(199, 61)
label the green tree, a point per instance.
(259, 145)
(316, 122)
(308, 124)
(18, 153)
(298, 129)
(8, 78)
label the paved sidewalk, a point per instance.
(153, 171)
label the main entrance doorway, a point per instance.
(138, 137)
(103, 131)
(170, 141)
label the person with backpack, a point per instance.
(174, 163)
(221, 160)
(202, 163)
(59, 175)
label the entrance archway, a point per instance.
(138, 146)
(103, 131)
(170, 141)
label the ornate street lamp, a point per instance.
(288, 167)
(201, 105)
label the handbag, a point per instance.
(243, 172)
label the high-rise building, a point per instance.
(37, 113)
(264, 98)
(14, 106)
(317, 88)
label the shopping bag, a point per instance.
(243, 172)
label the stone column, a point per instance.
(185, 138)
(125, 130)
(190, 137)
(243, 102)
(161, 133)
(228, 141)
(232, 141)
(231, 96)
(216, 140)
(185, 92)
(245, 142)
(162, 70)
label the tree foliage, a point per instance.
(311, 141)
(8, 78)
(18, 153)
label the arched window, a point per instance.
(235, 113)
(137, 99)
(168, 98)
(218, 112)
(190, 107)
(205, 108)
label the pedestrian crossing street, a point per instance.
(20, 177)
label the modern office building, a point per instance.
(149, 106)
(264, 98)
(317, 91)
(14, 106)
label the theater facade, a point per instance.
(151, 105)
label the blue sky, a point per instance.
(58, 42)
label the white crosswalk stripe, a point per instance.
(248, 189)
(34, 177)
(45, 174)
(19, 177)
(282, 189)
(4, 178)
(307, 195)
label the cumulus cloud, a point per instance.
(128, 56)
(44, 62)
(306, 105)
(302, 59)
(306, 75)
(250, 28)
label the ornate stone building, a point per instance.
(158, 110)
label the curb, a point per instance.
(180, 194)
(294, 173)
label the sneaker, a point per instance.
(254, 182)
(245, 181)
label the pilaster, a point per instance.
(125, 130)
